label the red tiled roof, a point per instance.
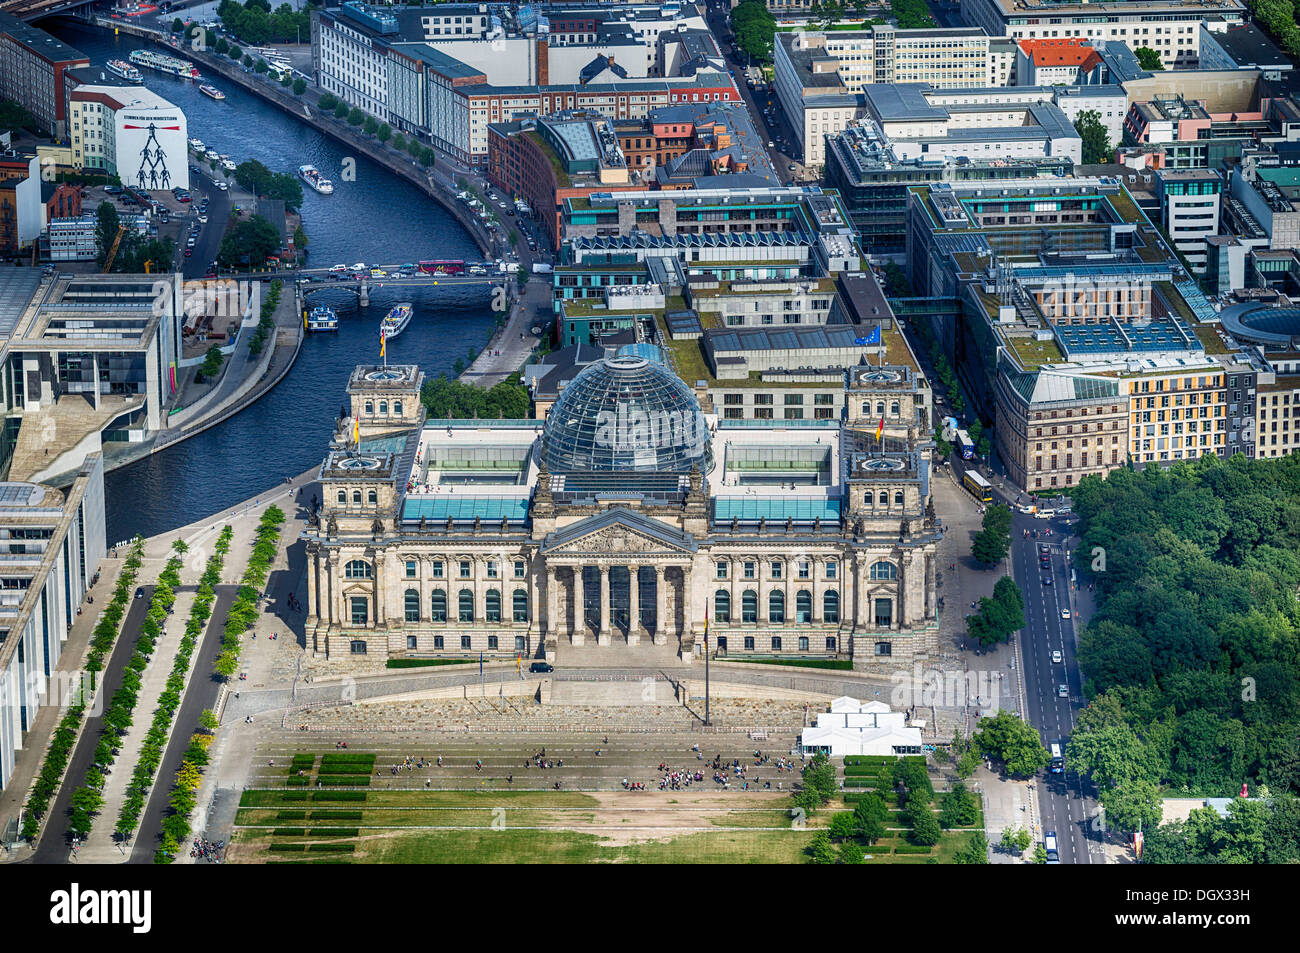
(1070, 51)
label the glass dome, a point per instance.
(626, 414)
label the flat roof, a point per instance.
(37, 40)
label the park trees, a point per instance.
(1006, 738)
(993, 541)
(754, 29)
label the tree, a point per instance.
(299, 86)
(249, 243)
(819, 777)
(1008, 739)
(447, 398)
(248, 60)
(975, 850)
(14, 117)
(212, 362)
(912, 782)
(925, 828)
(356, 117)
(107, 224)
(869, 816)
(178, 25)
(370, 125)
(842, 825)
(221, 47)
(328, 101)
(754, 28)
(341, 110)
(286, 80)
(399, 142)
(1096, 146)
(851, 852)
(820, 850)
(384, 133)
(208, 720)
(235, 53)
(1148, 58)
(1040, 854)
(958, 807)
(911, 14)
(1132, 804)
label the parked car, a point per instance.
(542, 667)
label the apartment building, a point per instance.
(1170, 27)
(32, 64)
(818, 76)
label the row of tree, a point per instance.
(1192, 660)
(754, 29)
(1278, 18)
(993, 541)
(998, 616)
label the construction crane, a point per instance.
(112, 251)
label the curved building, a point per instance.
(1256, 323)
(629, 517)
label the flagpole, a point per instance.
(706, 667)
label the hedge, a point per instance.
(297, 782)
(346, 768)
(102, 638)
(336, 815)
(343, 780)
(911, 849)
(338, 795)
(287, 848)
(334, 832)
(861, 771)
(425, 662)
(151, 753)
(332, 848)
(328, 761)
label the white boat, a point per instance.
(197, 145)
(207, 89)
(396, 320)
(311, 175)
(124, 70)
(228, 165)
(212, 156)
(164, 63)
(322, 318)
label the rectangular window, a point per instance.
(519, 569)
(410, 569)
(776, 570)
(832, 567)
(439, 642)
(464, 569)
(722, 570)
(749, 570)
(464, 641)
(360, 610)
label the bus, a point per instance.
(443, 266)
(979, 487)
(965, 445)
(1057, 765)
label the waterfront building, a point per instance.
(32, 64)
(1170, 27)
(52, 542)
(588, 533)
(130, 132)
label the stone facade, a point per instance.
(559, 571)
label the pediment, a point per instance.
(619, 532)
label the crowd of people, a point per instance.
(207, 850)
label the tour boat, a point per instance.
(207, 89)
(322, 318)
(124, 70)
(211, 155)
(164, 63)
(228, 165)
(197, 145)
(312, 177)
(396, 320)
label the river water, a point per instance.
(376, 218)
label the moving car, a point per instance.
(542, 667)
(1047, 580)
(1056, 656)
(139, 592)
(1063, 690)
(1065, 613)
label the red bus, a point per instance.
(443, 266)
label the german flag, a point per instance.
(880, 429)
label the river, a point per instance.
(375, 218)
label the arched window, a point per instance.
(520, 599)
(722, 606)
(898, 498)
(803, 606)
(893, 408)
(358, 569)
(776, 607)
(343, 497)
(438, 606)
(412, 600)
(493, 602)
(749, 606)
(884, 499)
(880, 407)
(372, 497)
(397, 407)
(356, 496)
(370, 406)
(466, 600)
(883, 570)
(383, 406)
(831, 606)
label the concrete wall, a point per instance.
(1220, 90)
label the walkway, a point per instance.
(512, 346)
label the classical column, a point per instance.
(552, 604)
(579, 633)
(602, 633)
(633, 605)
(930, 588)
(790, 569)
(313, 570)
(661, 631)
(380, 559)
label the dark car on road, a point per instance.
(1047, 580)
(139, 592)
(542, 667)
